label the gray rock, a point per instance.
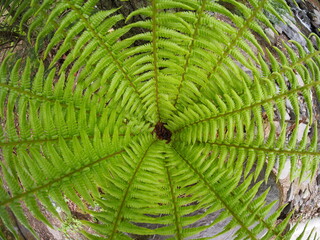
(279, 28)
(313, 224)
(303, 18)
(271, 35)
(290, 30)
(306, 194)
(290, 193)
(286, 171)
(315, 15)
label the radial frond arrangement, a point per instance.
(150, 133)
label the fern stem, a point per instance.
(49, 184)
(235, 215)
(250, 207)
(282, 151)
(234, 41)
(31, 142)
(271, 76)
(190, 49)
(126, 192)
(175, 206)
(294, 65)
(35, 141)
(29, 94)
(155, 55)
(106, 47)
(272, 99)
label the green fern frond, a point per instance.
(149, 133)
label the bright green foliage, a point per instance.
(81, 129)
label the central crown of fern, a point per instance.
(155, 130)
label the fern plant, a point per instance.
(153, 132)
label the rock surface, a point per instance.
(313, 225)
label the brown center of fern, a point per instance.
(162, 132)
